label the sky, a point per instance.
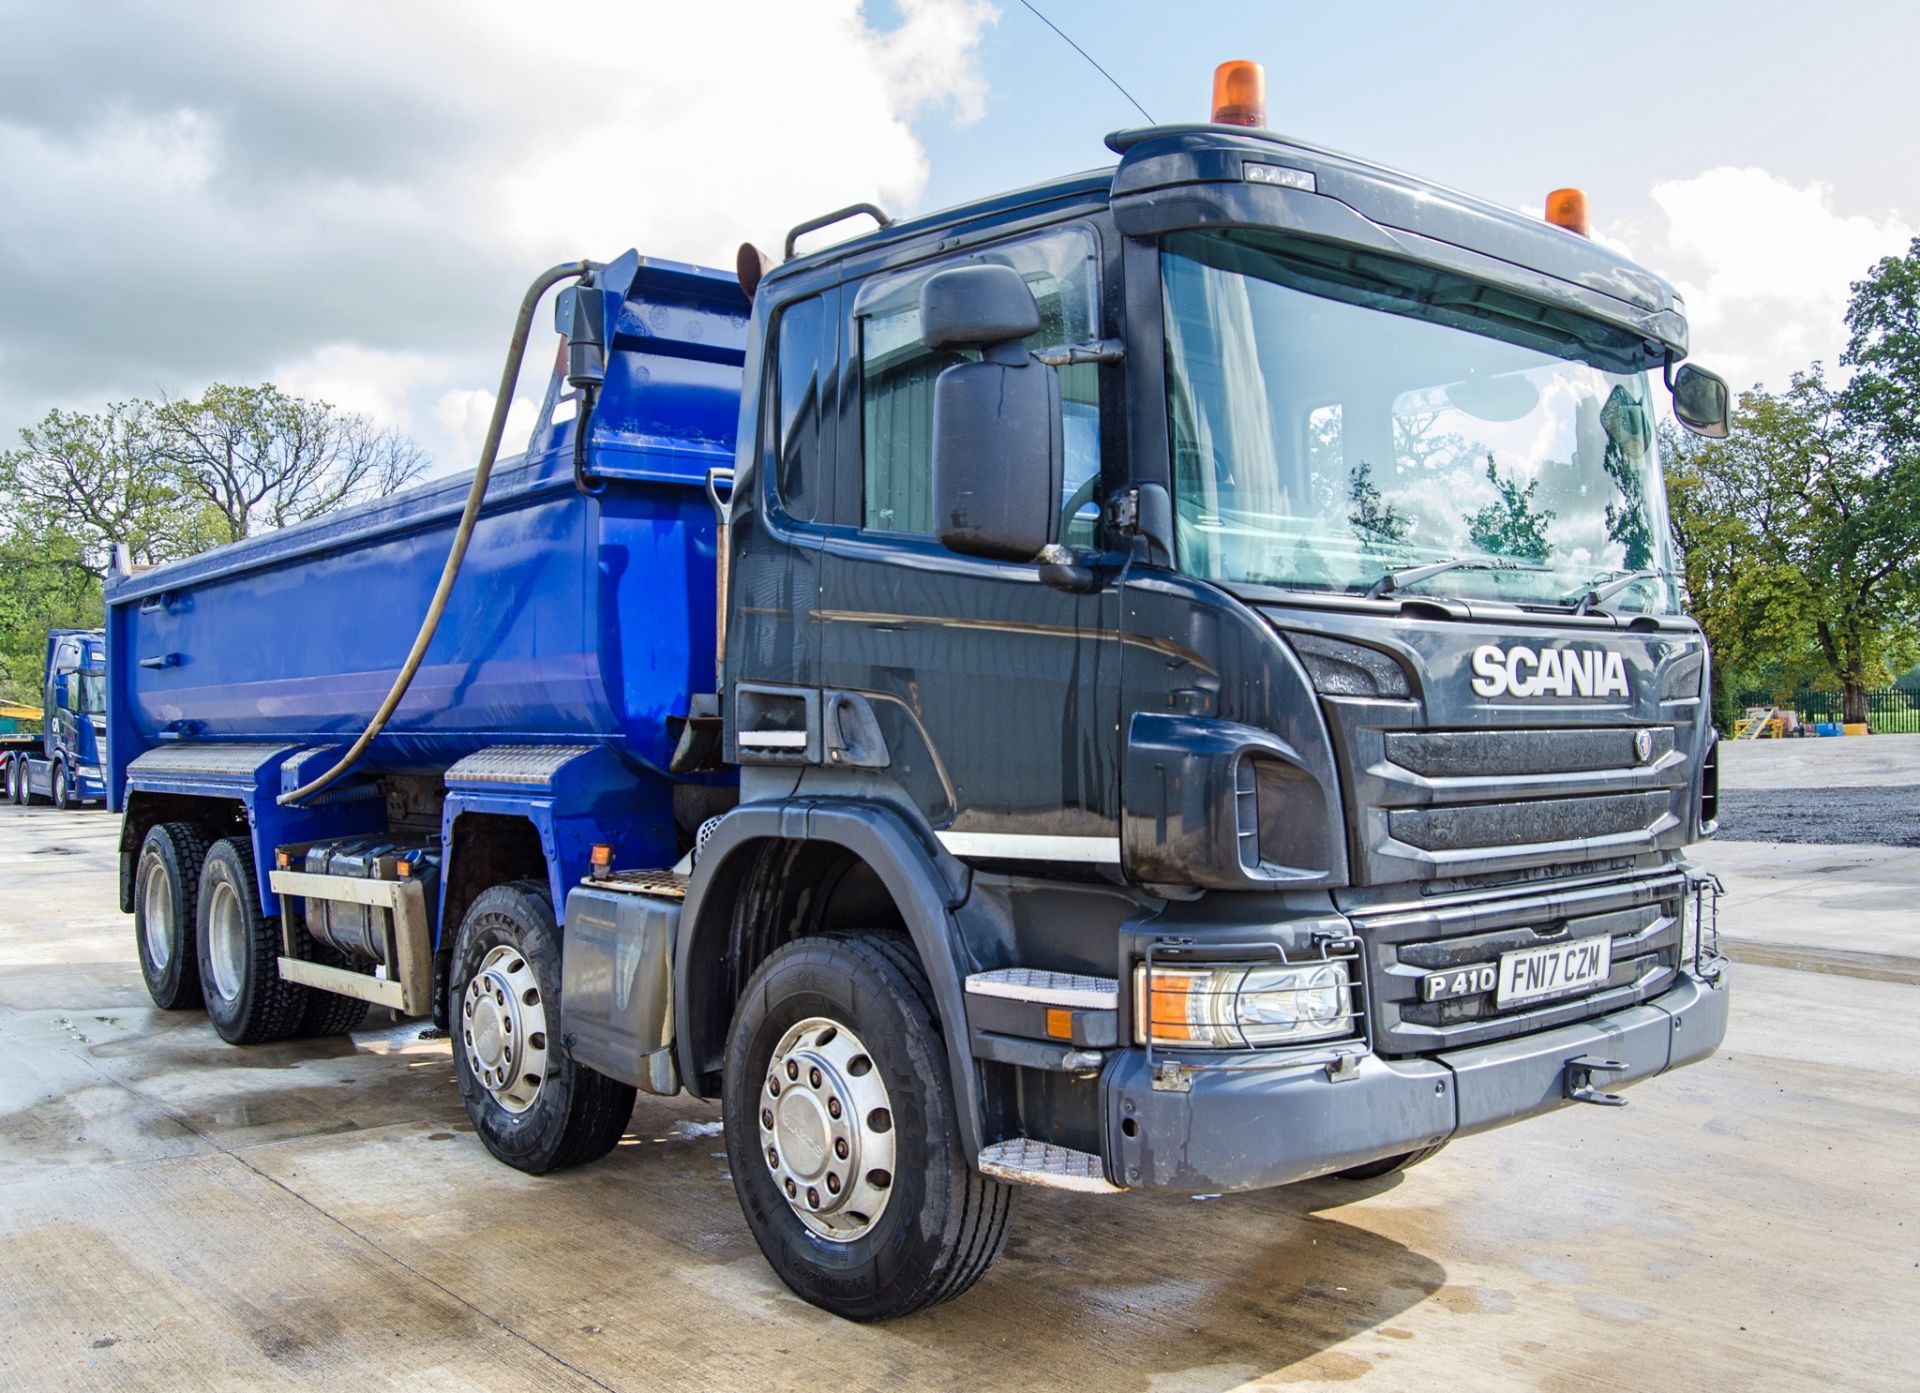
(348, 198)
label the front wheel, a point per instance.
(843, 1133)
(532, 1105)
(62, 789)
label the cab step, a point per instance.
(1023, 1161)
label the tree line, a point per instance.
(166, 479)
(1799, 534)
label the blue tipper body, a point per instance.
(578, 627)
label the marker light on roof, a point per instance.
(1568, 208)
(1240, 94)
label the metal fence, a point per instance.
(1890, 710)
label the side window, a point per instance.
(897, 375)
(797, 412)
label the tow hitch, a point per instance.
(1580, 1087)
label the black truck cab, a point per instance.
(1308, 787)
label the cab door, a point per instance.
(995, 691)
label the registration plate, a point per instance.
(1553, 970)
(1527, 974)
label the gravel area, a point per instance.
(1859, 790)
(1883, 815)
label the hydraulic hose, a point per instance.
(583, 424)
(463, 534)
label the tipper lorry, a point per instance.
(1171, 679)
(63, 764)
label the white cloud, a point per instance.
(1765, 266)
(350, 201)
(461, 414)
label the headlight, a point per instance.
(1242, 1007)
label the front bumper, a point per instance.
(1254, 1127)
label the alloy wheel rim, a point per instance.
(826, 1129)
(226, 940)
(157, 914)
(503, 1029)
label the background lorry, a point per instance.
(63, 764)
(1170, 678)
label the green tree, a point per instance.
(44, 584)
(1841, 521)
(75, 485)
(1512, 525)
(97, 479)
(1808, 539)
(165, 481)
(1754, 608)
(259, 458)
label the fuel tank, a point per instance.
(577, 616)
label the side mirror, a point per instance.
(997, 451)
(1701, 401)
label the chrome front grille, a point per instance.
(1406, 943)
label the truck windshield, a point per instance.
(1337, 416)
(89, 693)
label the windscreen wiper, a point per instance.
(1400, 577)
(1599, 594)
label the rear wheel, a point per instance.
(329, 1013)
(843, 1134)
(247, 1000)
(326, 1013)
(1387, 1165)
(166, 897)
(11, 768)
(532, 1105)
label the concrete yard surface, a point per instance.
(318, 1215)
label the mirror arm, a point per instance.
(1059, 569)
(1099, 351)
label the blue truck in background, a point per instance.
(65, 764)
(1054, 692)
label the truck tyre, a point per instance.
(326, 1013)
(62, 788)
(843, 1134)
(166, 896)
(1387, 1165)
(15, 794)
(329, 1013)
(247, 1001)
(533, 1106)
